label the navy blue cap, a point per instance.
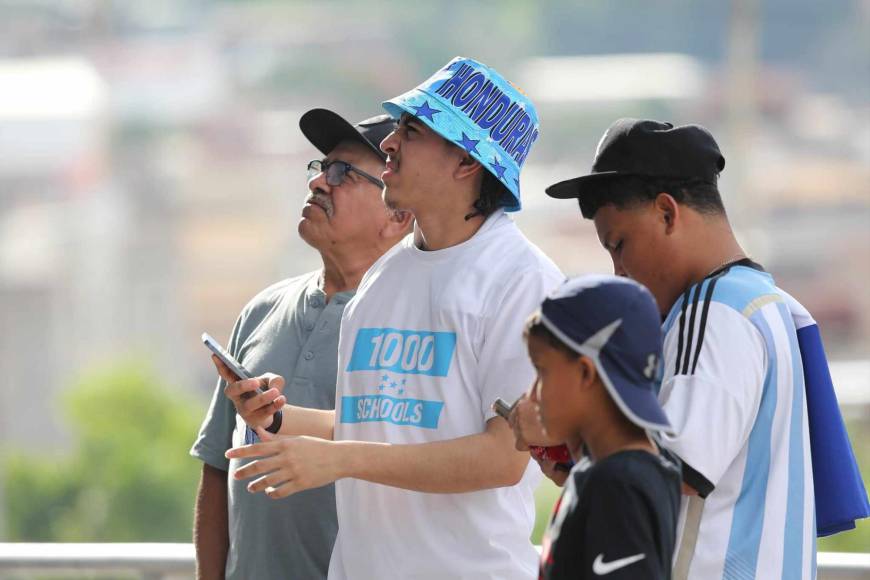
(615, 322)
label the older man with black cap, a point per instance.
(291, 329)
(741, 380)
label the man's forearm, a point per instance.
(318, 423)
(210, 529)
(482, 461)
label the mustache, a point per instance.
(322, 200)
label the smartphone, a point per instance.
(226, 358)
(242, 373)
(501, 408)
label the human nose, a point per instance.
(318, 182)
(534, 393)
(390, 144)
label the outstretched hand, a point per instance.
(286, 465)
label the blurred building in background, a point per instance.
(152, 170)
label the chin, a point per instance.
(391, 200)
(307, 232)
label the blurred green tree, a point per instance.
(129, 477)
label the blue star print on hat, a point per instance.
(474, 107)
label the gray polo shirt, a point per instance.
(290, 330)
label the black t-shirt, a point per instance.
(616, 519)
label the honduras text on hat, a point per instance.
(474, 107)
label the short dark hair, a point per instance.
(630, 190)
(493, 194)
(535, 327)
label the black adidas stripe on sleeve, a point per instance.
(708, 296)
(696, 480)
(689, 350)
(680, 332)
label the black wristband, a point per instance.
(277, 419)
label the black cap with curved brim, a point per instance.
(325, 129)
(641, 147)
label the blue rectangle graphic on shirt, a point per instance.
(413, 352)
(368, 408)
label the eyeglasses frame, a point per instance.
(317, 166)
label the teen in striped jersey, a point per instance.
(733, 384)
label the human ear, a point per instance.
(587, 373)
(398, 223)
(669, 210)
(468, 167)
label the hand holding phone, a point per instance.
(558, 454)
(231, 363)
(502, 409)
(241, 373)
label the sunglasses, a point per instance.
(336, 171)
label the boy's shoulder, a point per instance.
(629, 469)
(741, 288)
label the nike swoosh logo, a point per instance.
(600, 567)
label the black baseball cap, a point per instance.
(641, 147)
(326, 129)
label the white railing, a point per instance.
(164, 561)
(149, 561)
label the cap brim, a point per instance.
(326, 129)
(641, 406)
(579, 186)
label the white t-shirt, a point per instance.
(428, 343)
(733, 390)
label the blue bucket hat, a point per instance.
(615, 322)
(474, 107)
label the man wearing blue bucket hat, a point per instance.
(429, 483)
(486, 117)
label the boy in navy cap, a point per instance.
(596, 346)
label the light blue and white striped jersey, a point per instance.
(733, 389)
